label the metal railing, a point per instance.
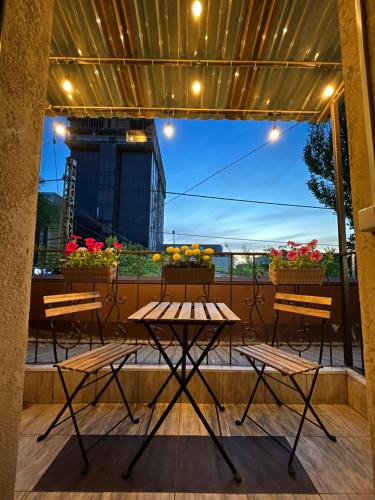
(241, 280)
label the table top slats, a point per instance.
(185, 313)
(182, 312)
(138, 315)
(172, 312)
(157, 311)
(213, 313)
(226, 312)
(199, 312)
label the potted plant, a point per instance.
(299, 264)
(187, 265)
(91, 261)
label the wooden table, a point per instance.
(215, 316)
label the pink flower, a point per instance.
(118, 245)
(74, 237)
(70, 247)
(292, 254)
(275, 253)
(304, 250)
(313, 243)
(316, 256)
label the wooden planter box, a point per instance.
(90, 274)
(188, 275)
(310, 276)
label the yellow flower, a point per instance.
(176, 250)
(209, 251)
(206, 257)
(188, 252)
(108, 252)
(176, 257)
(81, 249)
(156, 257)
(196, 251)
(184, 248)
(195, 245)
(170, 250)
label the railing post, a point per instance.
(340, 210)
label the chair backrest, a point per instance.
(305, 309)
(64, 305)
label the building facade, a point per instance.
(120, 182)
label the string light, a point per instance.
(274, 134)
(197, 8)
(59, 128)
(197, 87)
(168, 130)
(67, 85)
(328, 91)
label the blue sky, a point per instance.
(198, 148)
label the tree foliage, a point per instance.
(46, 214)
(318, 156)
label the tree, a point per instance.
(47, 214)
(318, 156)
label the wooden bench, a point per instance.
(88, 363)
(261, 356)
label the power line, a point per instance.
(237, 239)
(209, 197)
(233, 163)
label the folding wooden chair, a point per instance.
(288, 365)
(88, 363)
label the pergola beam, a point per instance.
(235, 63)
(272, 113)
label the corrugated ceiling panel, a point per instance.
(282, 30)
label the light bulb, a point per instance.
(274, 134)
(67, 85)
(197, 87)
(328, 91)
(168, 130)
(59, 128)
(197, 8)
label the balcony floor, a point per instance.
(339, 470)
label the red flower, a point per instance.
(70, 247)
(293, 244)
(292, 254)
(98, 245)
(313, 243)
(304, 250)
(89, 242)
(316, 256)
(74, 237)
(275, 253)
(118, 245)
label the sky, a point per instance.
(198, 148)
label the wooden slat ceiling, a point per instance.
(255, 59)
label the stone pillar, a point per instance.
(24, 50)
(360, 179)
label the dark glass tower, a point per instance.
(120, 182)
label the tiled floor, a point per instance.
(339, 470)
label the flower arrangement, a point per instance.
(90, 253)
(185, 256)
(300, 256)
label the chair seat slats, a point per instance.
(80, 359)
(312, 299)
(59, 311)
(296, 359)
(304, 311)
(271, 357)
(99, 358)
(65, 297)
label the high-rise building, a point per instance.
(120, 183)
